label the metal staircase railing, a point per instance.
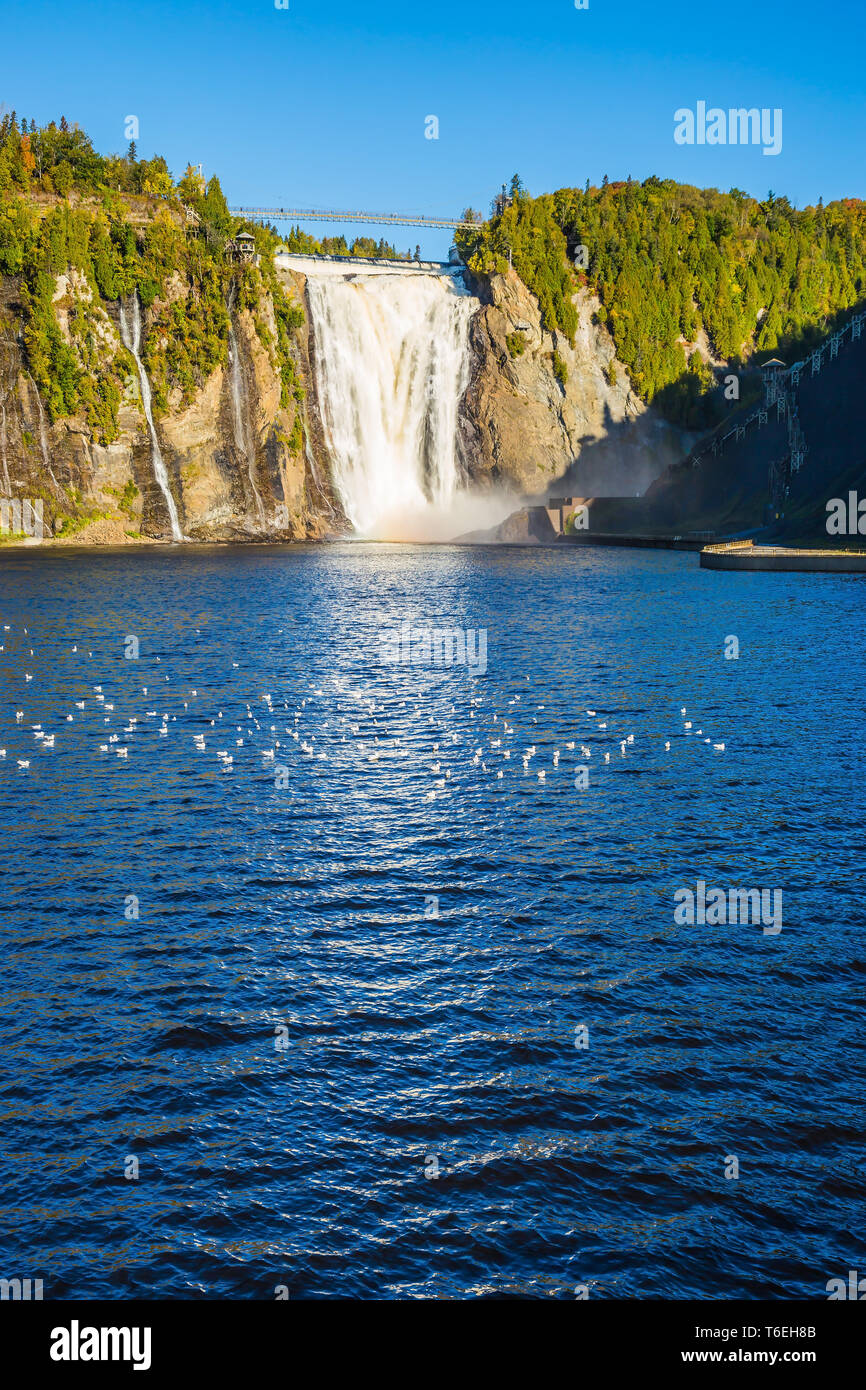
(781, 393)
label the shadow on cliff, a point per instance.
(626, 460)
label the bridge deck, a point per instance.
(380, 219)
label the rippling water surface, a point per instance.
(339, 1035)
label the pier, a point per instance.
(745, 555)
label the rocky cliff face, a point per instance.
(235, 457)
(243, 464)
(539, 412)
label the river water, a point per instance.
(368, 1019)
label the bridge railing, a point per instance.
(382, 219)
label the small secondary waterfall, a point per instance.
(6, 483)
(239, 419)
(393, 362)
(132, 341)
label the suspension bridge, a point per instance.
(379, 219)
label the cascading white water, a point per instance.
(393, 362)
(239, 422)
(132, 342)
(7, 486)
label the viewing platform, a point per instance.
(745, 555)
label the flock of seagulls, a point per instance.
(347, 724)
(687, 728)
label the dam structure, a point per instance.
(308, 262)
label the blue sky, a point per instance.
(325, 103)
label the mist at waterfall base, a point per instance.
(338, 1031)
(392, 359)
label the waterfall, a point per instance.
(239, 420)
(393, 362)
(132, 342)
(6, 482)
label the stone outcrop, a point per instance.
(540, 412)
(526, 526)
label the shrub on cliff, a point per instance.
(17, 224)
